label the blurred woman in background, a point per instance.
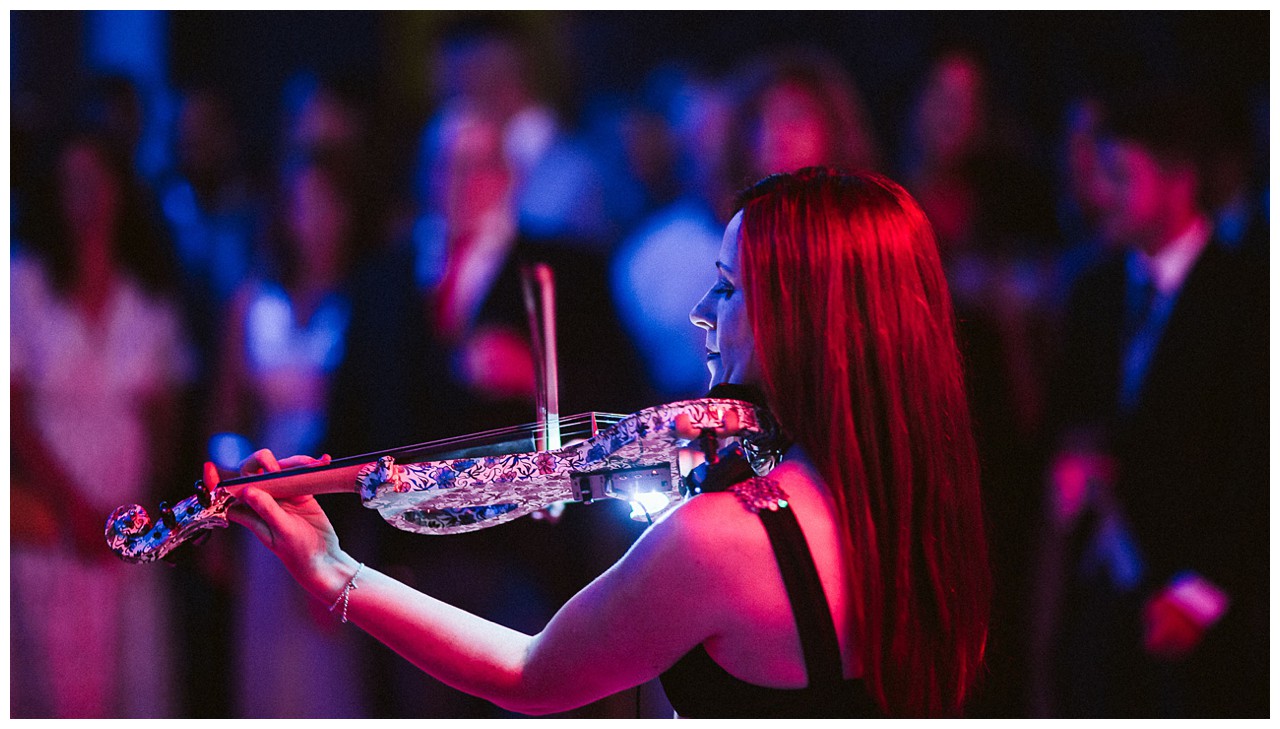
(98, 358)
(794, 109)
(284, 339)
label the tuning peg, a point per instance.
(204, 494)
(166, 515)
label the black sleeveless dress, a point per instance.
(698, 687)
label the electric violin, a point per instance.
(649, 458)
(653, 458)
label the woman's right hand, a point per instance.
(294, 528)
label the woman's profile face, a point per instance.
(722, 312)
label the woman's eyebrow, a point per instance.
(723, 267)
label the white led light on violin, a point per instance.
(645, 506)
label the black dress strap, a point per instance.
(808, 601)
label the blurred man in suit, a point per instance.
(1159, 488)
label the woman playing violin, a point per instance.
(861, 589)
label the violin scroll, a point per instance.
(128, 521)
(135, 537)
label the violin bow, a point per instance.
(538, 284)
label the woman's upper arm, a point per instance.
(629, 625)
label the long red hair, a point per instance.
(856, 338)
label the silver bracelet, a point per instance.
(344, 597)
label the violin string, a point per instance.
(582, 425)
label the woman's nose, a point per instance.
(703, 314)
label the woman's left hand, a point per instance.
(294, 528)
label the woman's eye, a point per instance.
(723, 287)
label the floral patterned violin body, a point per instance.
(460, 485)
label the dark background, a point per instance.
(1038, 59)
(1038, 63)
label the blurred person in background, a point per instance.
(209, 197)
(974, 172)
(444, 310)
(479, 323)
(98, 360)
(448, 302)
(659, 266)
(949, 129)
(454, 374)
(504, 183)
(467, 240)
(632, 137)
(975, 177)
(212, 210)
(285, 336)
(1081, 185)
(794, 108)
(489, 67)
(325, 115)
(790, 109)
(1158, 493)
(473, 235)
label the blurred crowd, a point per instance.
(164, 317)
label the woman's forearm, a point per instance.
(614, 634)
(462, 650)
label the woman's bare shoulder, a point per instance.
(708, 519)
(721, 518)
(711, 536)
